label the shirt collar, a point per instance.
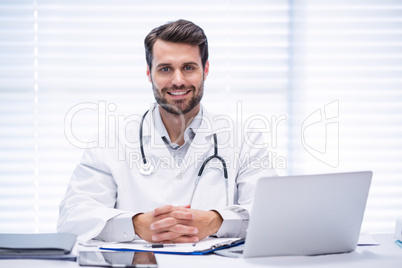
(190, 131)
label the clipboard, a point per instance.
(207, 245)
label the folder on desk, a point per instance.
(37, 246)
(205, 246)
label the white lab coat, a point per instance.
(107, 182)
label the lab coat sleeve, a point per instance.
(231, 225)
(90, 198)
(253, 165)
(119, 228)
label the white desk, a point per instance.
(387, 255)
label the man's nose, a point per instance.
(178, 78)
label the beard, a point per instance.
(178, 107)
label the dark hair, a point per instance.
(180, 31)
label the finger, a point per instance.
(163, 210)
(181, 240)
(166, 224)
(182, 215)
(178, 230)
(163, 224)
(165, 237)
(184, 229)
(174, 237)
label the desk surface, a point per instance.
(388, 255)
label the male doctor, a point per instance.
(112, 199)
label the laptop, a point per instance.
(305, 215)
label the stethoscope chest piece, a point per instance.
(146, 168)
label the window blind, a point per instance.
(324, 74)
(17, 117)
(348, 58)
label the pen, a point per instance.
(170, 245)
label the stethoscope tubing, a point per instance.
(144, 160)
(146, 168)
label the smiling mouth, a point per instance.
(178, 93)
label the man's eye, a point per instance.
(188, 68)
(165, 69)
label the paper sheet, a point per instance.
(206, 244)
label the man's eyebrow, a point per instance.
(163, 65)
(190, 63)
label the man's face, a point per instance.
(177, 76)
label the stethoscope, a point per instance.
(147, 168)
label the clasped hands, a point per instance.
(176, 224)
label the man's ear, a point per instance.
(206, 70)
(149, 74)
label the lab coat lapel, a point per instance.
(201, 146)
